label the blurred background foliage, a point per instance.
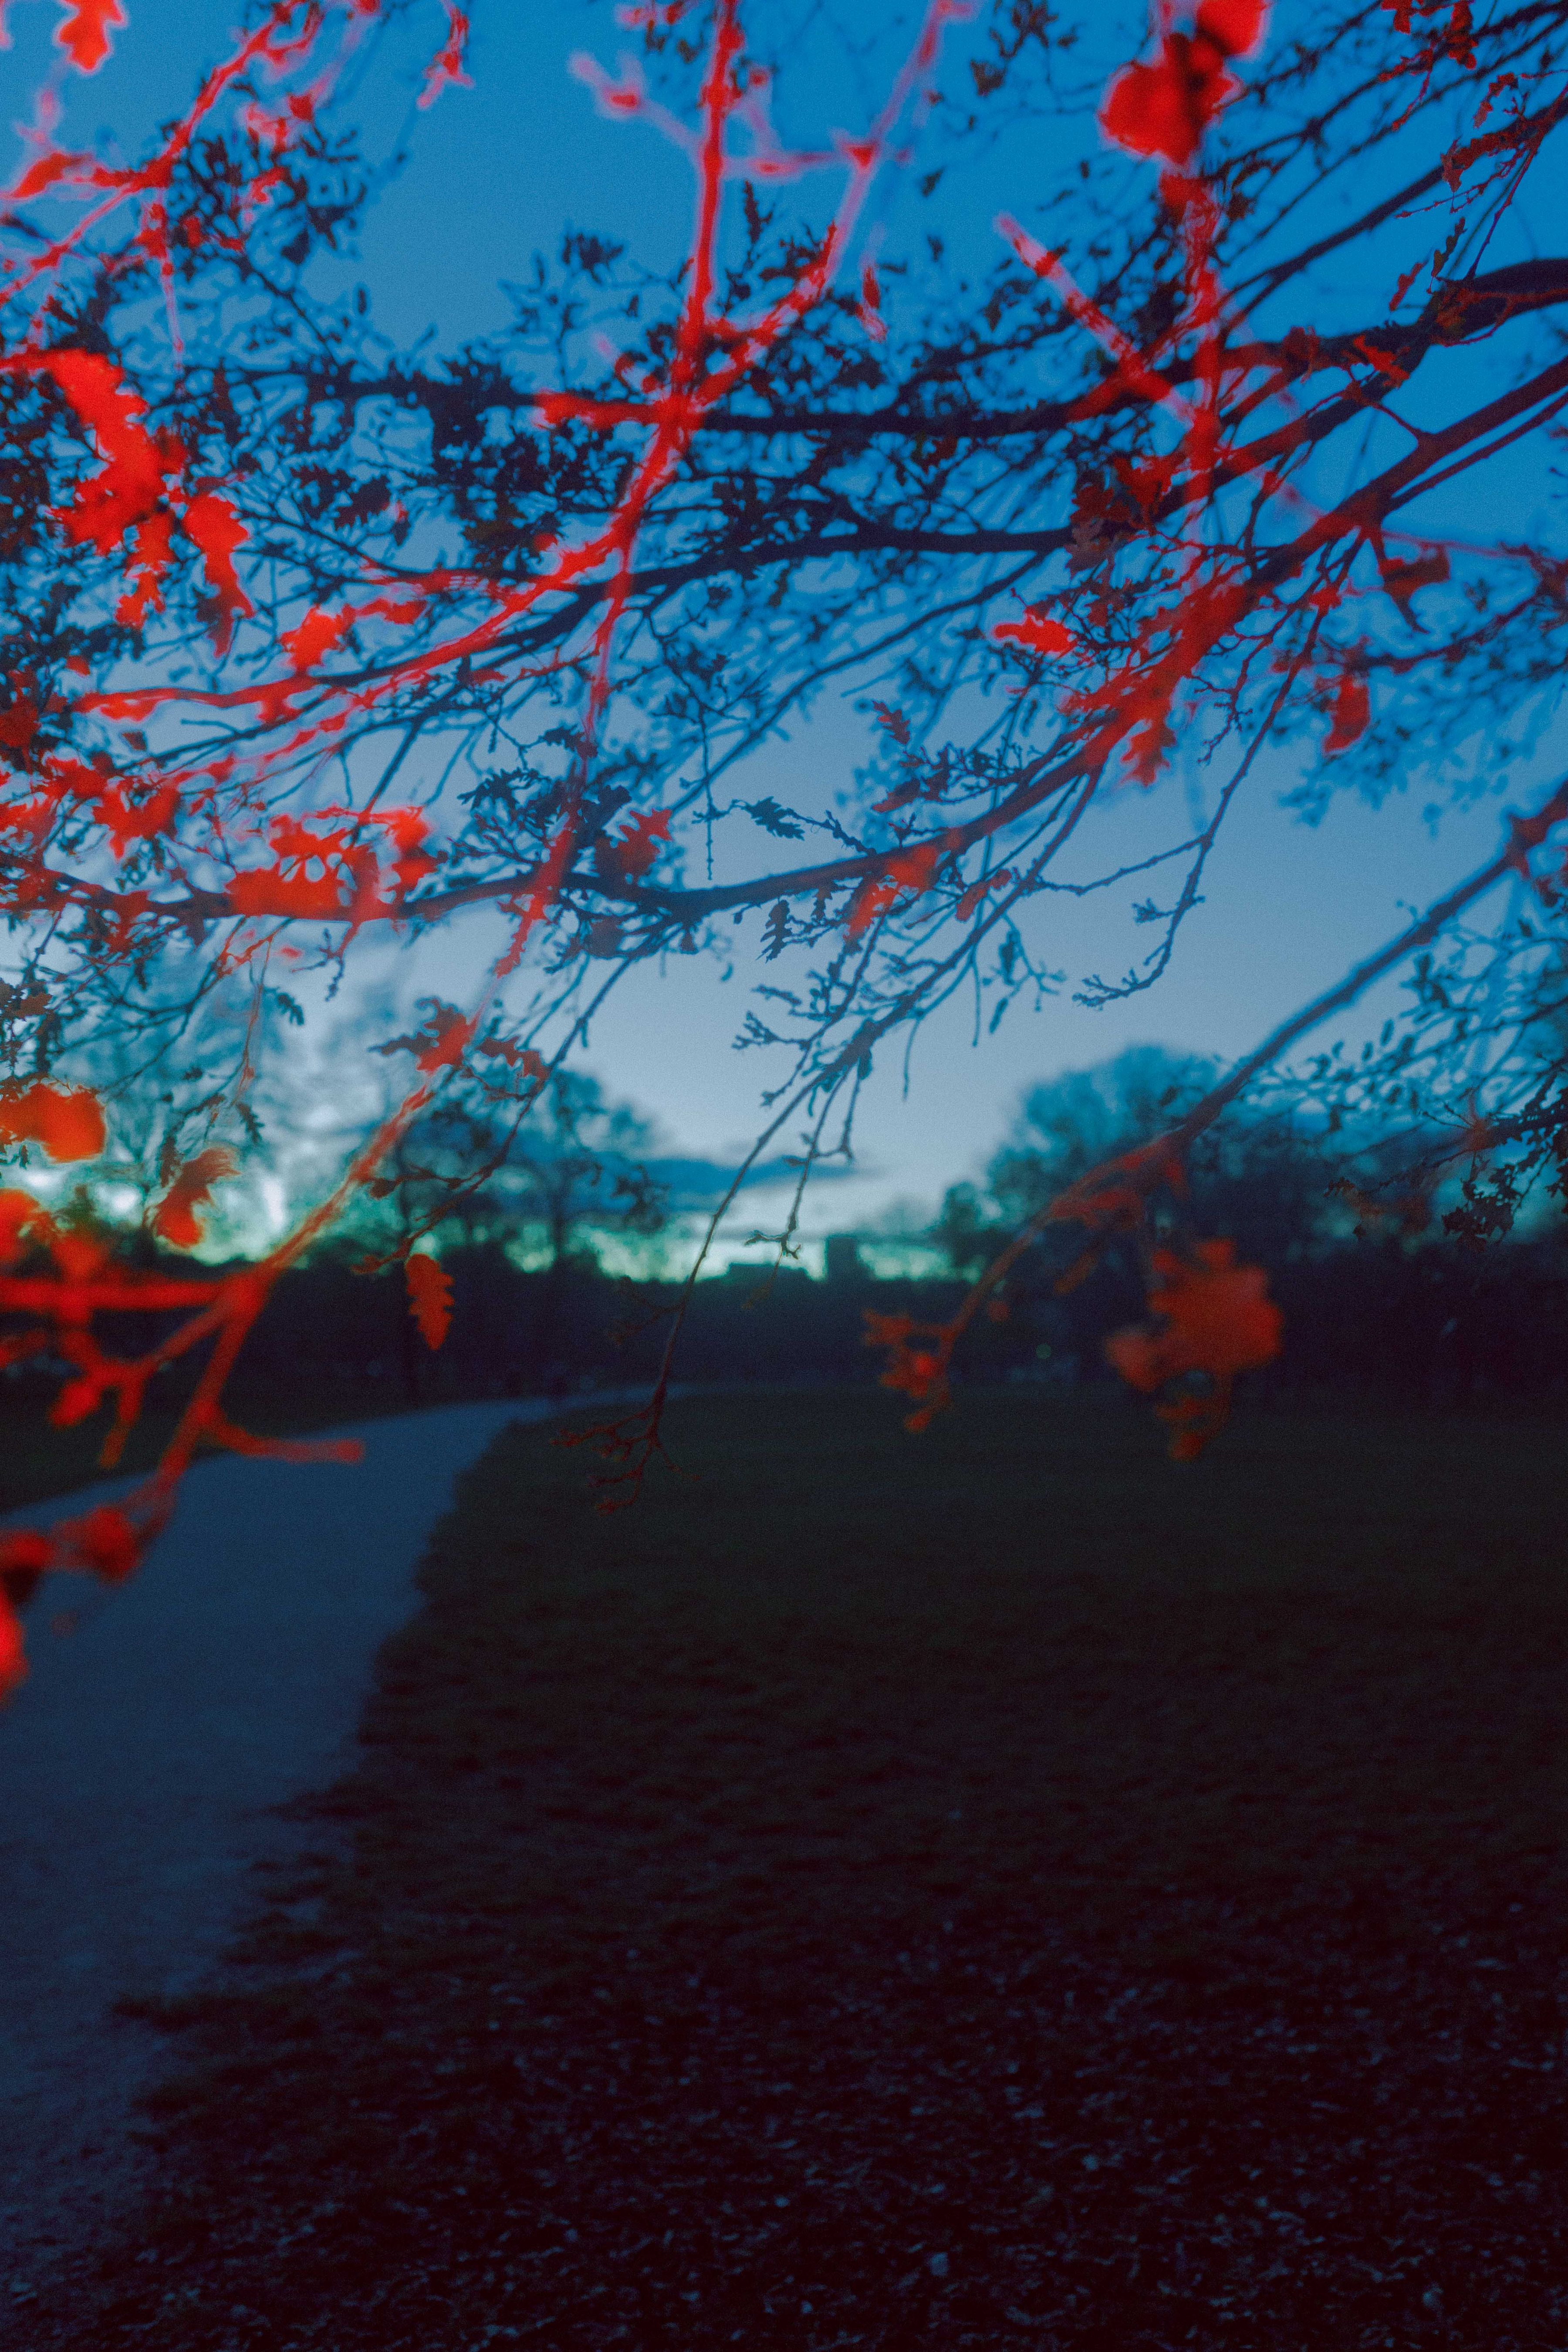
(568, 1263)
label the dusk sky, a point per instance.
(498, 171)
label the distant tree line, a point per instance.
(1383, 1286)
(1378, 1296)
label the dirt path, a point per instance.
(139, 1766)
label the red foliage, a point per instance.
(631, 855)
(108, 1543)
(217, 531)
(919, 1355)
(84, 36)
(317, 633)
(1115, 1197)
(13, 1649)
(175, 1219)
(1037, 633)
(441, 1043)
(908, 869)
(429, 1297)
(1215, 1320)
(1352, 712)
(340, 867)
(149, 562)
(518, 1057)
(1214, 1317)
(1164, 107)
(67, 1121)
(137, 465)
(313, 877)
(19, 1215)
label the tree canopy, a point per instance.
(309, 639)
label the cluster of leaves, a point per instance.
(1211, 1319)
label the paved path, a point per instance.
(137, 1767)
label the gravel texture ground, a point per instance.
(999, 1893)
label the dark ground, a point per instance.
(996, 1890)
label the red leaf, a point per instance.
(19, 1212)
(29, 1552)
(1217, 1318)
(637, 845)
(1163, 108)
(410, 829)
(911, 869)
(18, 724)
(317, 633)
(67, 1121)
(108, 1544)
(1235, 26)
(149, 561)
(92, 385)
(45, 173)
(268, 890)
(140, 820)
(870, 902)
(75, 1402)
(429, 1297)
(217, 531)
(1149, 481)
(1036, 632)
(916, 1365)
(517, 1057)
(1111, 1197)
(440, 1042)
(176, 1219)
(1152, 111)
(13, 1652)
(69, 1124)
(108, 504)
(1352, 712)
(448, 1035)
(1383, 361)
(84, 36)
(1135, 1354)
(290, 888)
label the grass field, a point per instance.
(997, 1889)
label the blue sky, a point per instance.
(502, 169)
